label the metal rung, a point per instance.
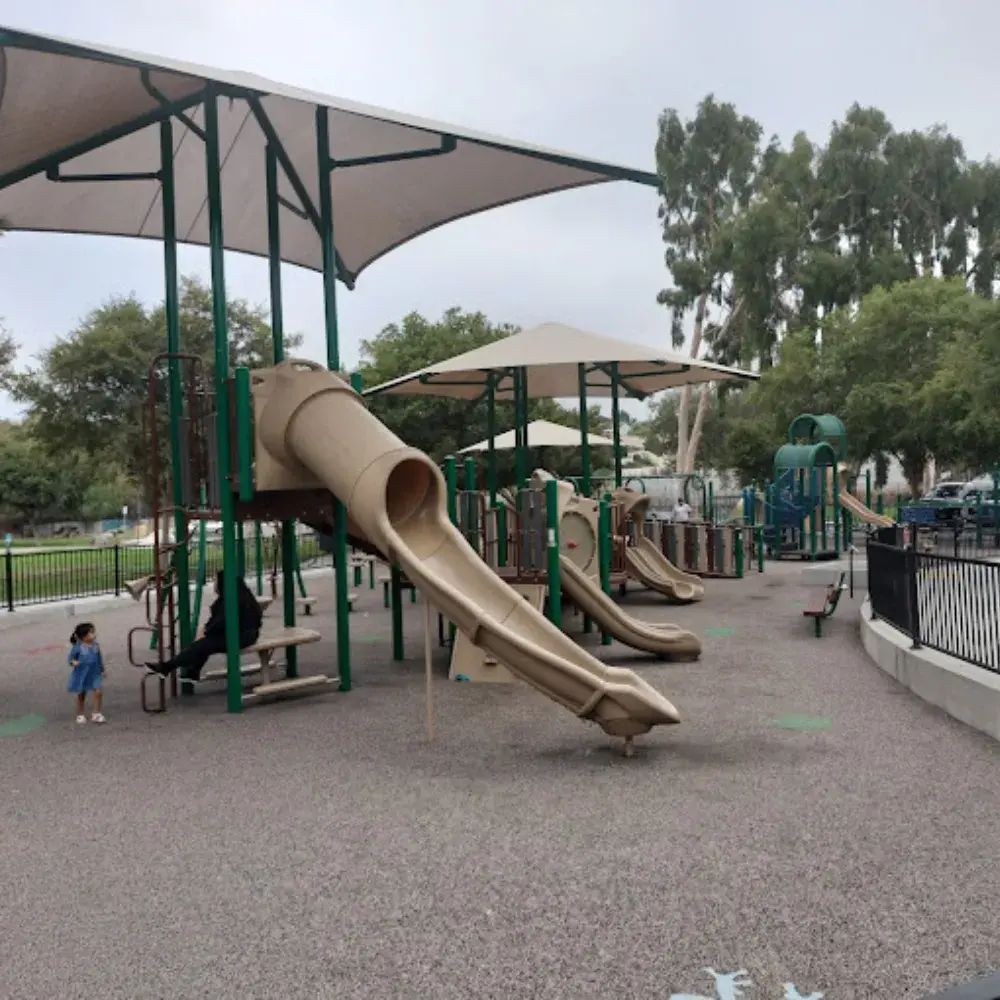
(162, 707)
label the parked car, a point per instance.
(977, 499)
(946, 499)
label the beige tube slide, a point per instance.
(664, 641)
(313, 422)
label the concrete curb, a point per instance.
(966, 692)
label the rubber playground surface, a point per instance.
(809, 822)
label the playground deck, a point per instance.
(809, 822)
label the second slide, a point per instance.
(664, 641)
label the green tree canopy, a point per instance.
(89, 391)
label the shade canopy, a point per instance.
(551, 354)
(69, 111)
(542, 434)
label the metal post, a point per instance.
(471, 508)
(118, 571)
(868, 488)
(491, 432)
(451, 481)
(234, 685)
(835, 499)
(604, 553)
(325, 167)
(520, 419)
(258, 556)
(760, 549)
(711, 503)
(738, 551)
(287, 527)
(171, 309)
(501, 509)
(357, 384)
(396, 599)
(616, 423)
(911, 581)
(8, 574)
(552, 551)
(241, 551)
(581, 371)
(813, 507)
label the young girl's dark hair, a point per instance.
(81, 632)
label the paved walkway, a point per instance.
(809, 822)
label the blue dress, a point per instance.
(86, 675)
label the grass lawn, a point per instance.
(64, 573)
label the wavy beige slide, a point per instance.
(850, 502)
(665, 641)
(654, 570)
(313, 422)
(647, 564)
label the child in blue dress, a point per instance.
(88, 671)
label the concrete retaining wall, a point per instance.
(966, 692)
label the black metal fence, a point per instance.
(946, 603)
(46, 576)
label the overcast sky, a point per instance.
(588, 76)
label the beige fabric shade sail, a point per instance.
(542, 434)
(69, 111)
(551, 355)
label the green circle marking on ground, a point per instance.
(719, 633)
(19, 727)
(802, 722)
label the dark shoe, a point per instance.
(158, 668)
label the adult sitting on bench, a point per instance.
(192, 658)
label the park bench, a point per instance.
(823, 603)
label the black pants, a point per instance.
(191, 659)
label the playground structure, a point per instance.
(123, 155)
(807, 506)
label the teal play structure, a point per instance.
(802, 503)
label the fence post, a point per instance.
(738, 551)
(911, 586)
(9, 577)
(760, 548)
(118, 571)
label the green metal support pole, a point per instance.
(760, 549)
(258, 556)
(501, 509)
(234, 679)
(812, 514)
(604, 553)
(358, 384)
(451, 480)
(171, 310)
(616, 423)
(451, 484)
(552, 552)
(711, 504)
(868, 488)
(581, 373)
(241, 551)
(835, 500)
(738, 551)
(880, 503)
(520, 472)
(287, 527)
(472, 508)
(324, 166)
(491, 433)
(395, 583)
(244, 433)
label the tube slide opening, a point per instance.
(411, 491)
